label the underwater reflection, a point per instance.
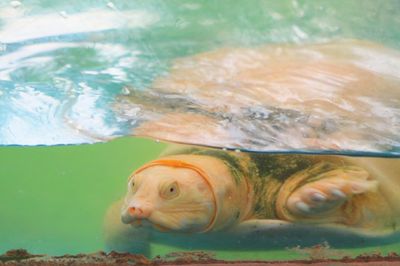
(195, 197)
(339, 96)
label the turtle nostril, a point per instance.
(132, 210)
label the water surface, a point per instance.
(64, 66)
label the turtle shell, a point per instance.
(336, 97)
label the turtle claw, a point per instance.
(335, 192)
(303, 207)
(325, 195)
(317, 197)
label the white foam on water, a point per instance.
(35, 121)
(88, 116)
(19, 28)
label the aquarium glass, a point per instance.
(91, 91)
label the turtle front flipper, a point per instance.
(325, 195)
(330, 193)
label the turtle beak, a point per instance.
(135, 211)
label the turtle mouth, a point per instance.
(136, 223)
(147, 224)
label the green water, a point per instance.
(53, 199)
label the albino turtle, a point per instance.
(207, 198)
(327, 96)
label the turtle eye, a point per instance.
(170, 191)
(131, 185)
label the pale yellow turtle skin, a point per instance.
(361, 193)
(205, 191)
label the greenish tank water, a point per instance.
(54, 198)
(64, 66)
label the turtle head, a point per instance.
(169, 198)
(187, 193)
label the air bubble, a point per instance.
(15, 4)
(111, 5)
(125, 91)
(63, 14)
